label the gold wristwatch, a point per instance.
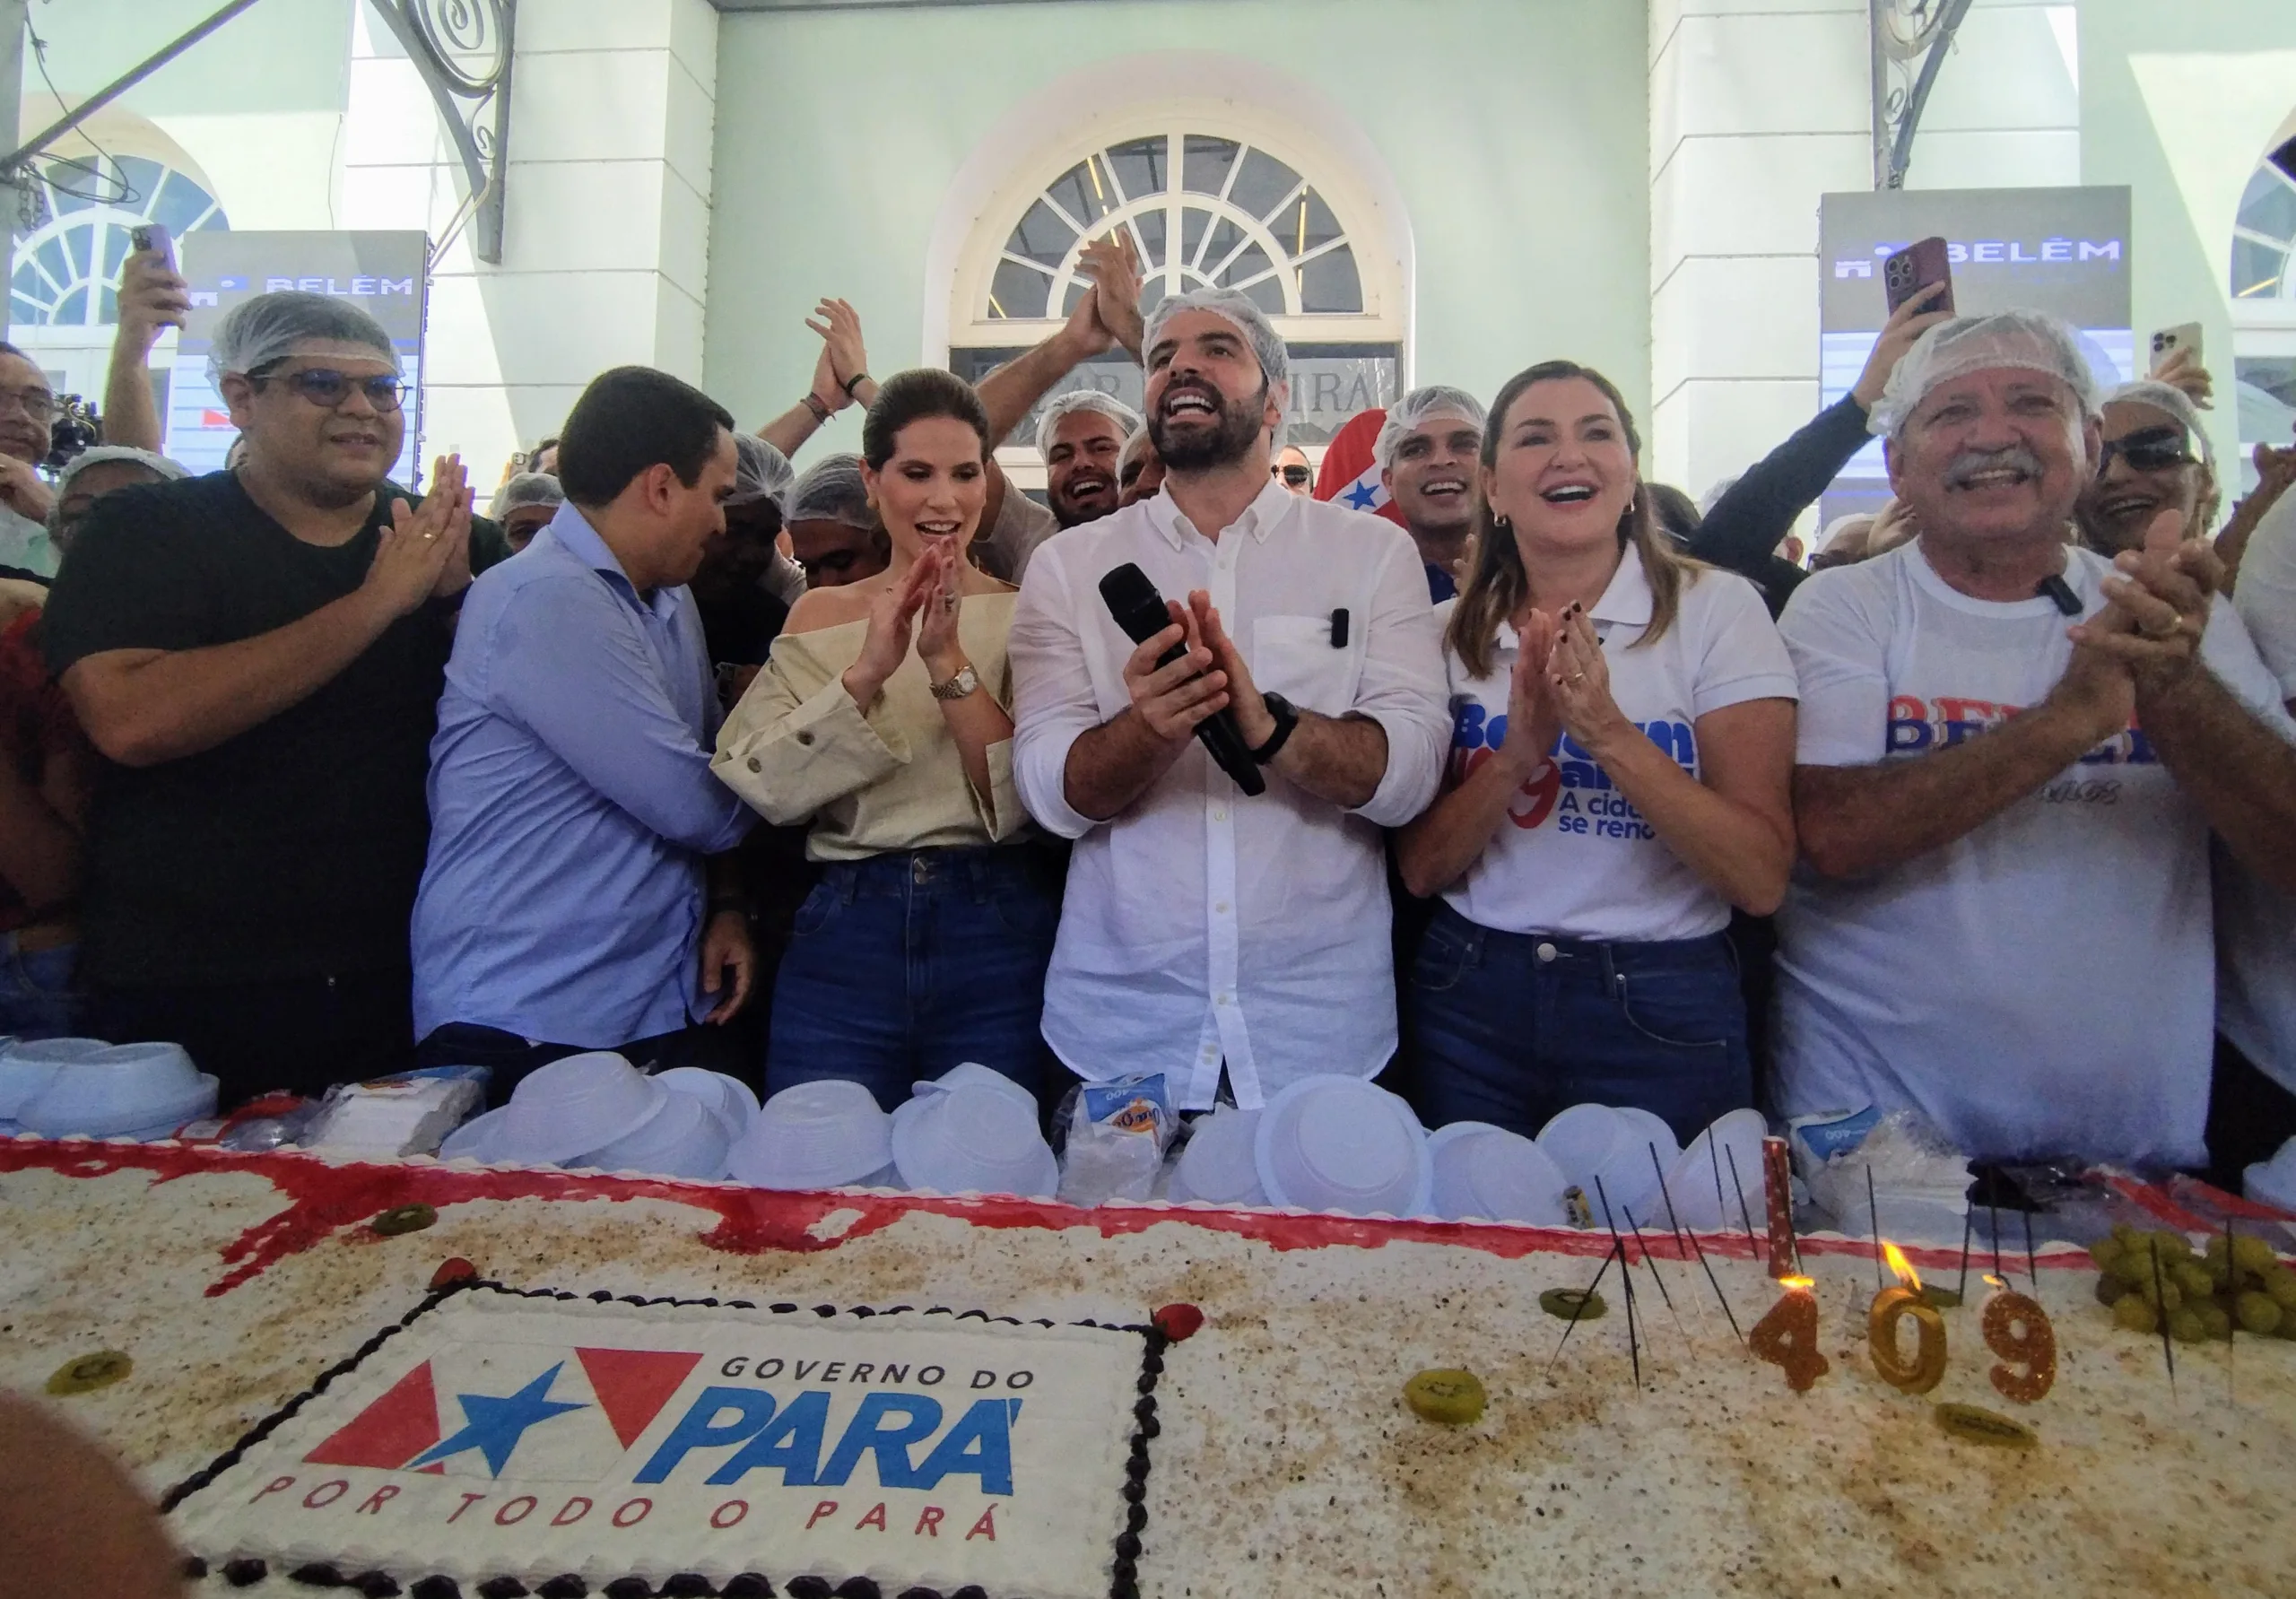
(963, 683)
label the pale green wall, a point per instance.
(1517, 131)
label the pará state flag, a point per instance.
(1349, 473)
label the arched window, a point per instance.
(66, 271)
(2264, 304)
(1231, 200)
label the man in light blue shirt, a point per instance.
(567, 903)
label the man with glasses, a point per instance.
(2012, 755)
(2154, 457)
(27, 407)
(1291, 471)
(259, 653)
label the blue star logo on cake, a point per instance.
(493, 1425)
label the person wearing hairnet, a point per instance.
(260, 653)
(1140, 469)
(1081, 436)
(834, 536)
(95, 472)
(2154, 457)
(734, 590)
(2003, 921)
(1428, 450)
(1263, 949)
(524, 506)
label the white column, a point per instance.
(606, 228)
(1755, 114)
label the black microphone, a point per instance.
(1139, 610)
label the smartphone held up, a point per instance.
(1914, 269)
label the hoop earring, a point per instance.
(1500, 523)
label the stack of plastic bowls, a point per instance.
(105, 1091)
(1483, 1172)
(1340, 1144)
(732, 1099)
(973, 1132)
(827, 1134)
(1721, 1163)
(596, 1110)
(1216, 1165)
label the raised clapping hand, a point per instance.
(893, 622)
(840, 330)
(937, 644)
(425, 552)
(2159, 602)
(1253, 720)
(1534, 722)
(1579, 679)
(1113, 266)
(1170, 700)
(1906, 325)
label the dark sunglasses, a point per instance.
(326, 387)
(2148, 450)
(1297, 476)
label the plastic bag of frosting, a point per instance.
(1116, 1134)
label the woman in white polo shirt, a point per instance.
(1622, 749)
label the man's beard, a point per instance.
(1240, 425)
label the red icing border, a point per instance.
(323, 1199)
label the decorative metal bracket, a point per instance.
(1910, 41)
(463, 50)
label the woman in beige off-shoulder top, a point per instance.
(883, 719)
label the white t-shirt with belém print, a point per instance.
(2044, 985)
(1574, 857)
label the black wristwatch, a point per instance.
(1286, 719)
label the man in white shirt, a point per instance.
(2002, 919)
(1201, 927)
(2252, 1109)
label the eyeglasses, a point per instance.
(37, 403)
(327, 388)
(1297, 476)
(2148, 450)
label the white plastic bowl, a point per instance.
(732, 1098)
(572, 1105)
(27, 1064)
(1327, 1143)
(686, 1138)
(1483, 1171)
(477, 1139)
(974, 1139)
(1706, 1199)
(119, 1088)
(972, 1073)
(1216, 1165)
(822, 1134)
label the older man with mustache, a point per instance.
(2012, 755)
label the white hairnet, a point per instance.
(2029, 340)
(1420, 405)
(1233, 308)
(763, 472)
(2168, 397)
(1714, 492)
(164, 468)
(1136, 445)
(256, 332)
(1857, 523)
(524, 488)
(1082, 399)
(832, 491)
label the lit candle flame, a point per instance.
(1800, 1283)
(2001, 1282)
(1894, 1257)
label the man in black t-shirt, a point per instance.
(259, 653)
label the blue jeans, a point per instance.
(1512, 1027)
(37, 998)
(903, 965)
